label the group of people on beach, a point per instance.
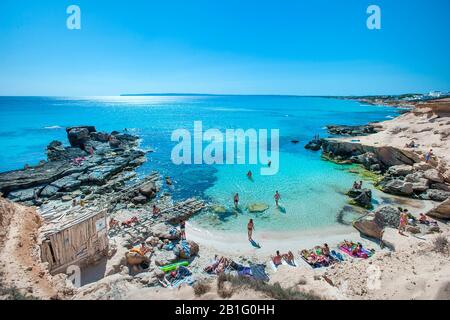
(406, 218)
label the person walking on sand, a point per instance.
(277, 197)
(236, 200)
(428, 155)
(403, 222)
(250, 229)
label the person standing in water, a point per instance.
(236, 200)
(269, 163)
(250, 229)
(277, 197)
(250, 174)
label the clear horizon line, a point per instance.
(215, 94)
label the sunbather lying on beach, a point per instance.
(218, 266)
(357, 249)
(326, 250)
(129, 222)
(423, 219)
(142, 250)
(289, 257)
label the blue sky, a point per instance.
(228, 46)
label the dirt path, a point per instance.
(20, 265)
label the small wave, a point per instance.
(53, 127)
(390, 117)
(231, 109)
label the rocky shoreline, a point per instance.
(94, 163)
(398, 171)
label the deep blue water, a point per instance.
(309, 186)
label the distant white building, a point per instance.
(435, 94)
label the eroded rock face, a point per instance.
(149, 190)
(78, 136)
(433, 175)
(369, 228)
(435, 195)
(441, 211)
(387, 216)
(351, 130)
(361, 197)
(387, 156)
(400, 170)
(369, 160)
(397, 187)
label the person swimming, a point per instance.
(236, 200)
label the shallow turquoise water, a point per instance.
(311, 189)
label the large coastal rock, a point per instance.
(435, 195)
(387, 156)
(314, 145)
(369, 228)
(78, 136)
(397, 187)
(400, 170)
(433, 175)
(369, 160)
(351, 130)
(361, 197)
(149, 190)
(441, 211)
(165, 231)
(387, 216)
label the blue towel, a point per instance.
(186, 248)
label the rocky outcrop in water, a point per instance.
(351, 130)
(385, 156)
(314, 145)
(361, 197)
(404, 173)
(90, 162)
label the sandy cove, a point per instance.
(413, 270)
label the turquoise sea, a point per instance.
(312, 190)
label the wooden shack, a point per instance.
(79, 239)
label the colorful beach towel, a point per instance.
(363, 253)
(315, 259)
